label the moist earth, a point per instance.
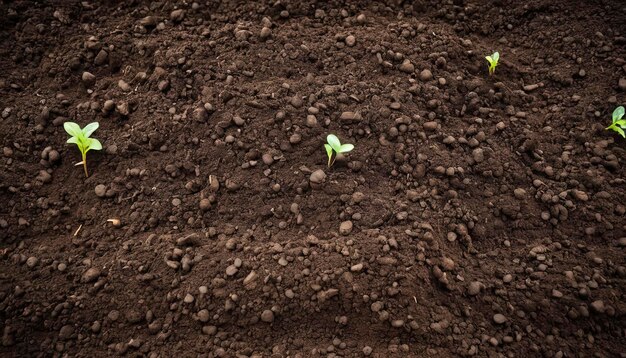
(477, 215)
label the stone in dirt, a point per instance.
(32, 262)
(177, 15)
(426, 75)
(499, 318)
(188, 240)
(100, 190)
(267, 316)
(474, 288)
(66, 332)
(407, 66)
(317, 177)
(89, 79)
(598, 306)
(231, 270)
(345, 228)
(90, 275)
(349, 117)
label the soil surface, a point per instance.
(477, 215)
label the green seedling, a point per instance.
(619, 124)
(493, 62)
(80, 137)
(334, 146)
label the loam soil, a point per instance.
(477, 215)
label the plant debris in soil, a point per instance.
(477, 215)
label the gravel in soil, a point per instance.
(477, 215)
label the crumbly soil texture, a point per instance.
(477, 215)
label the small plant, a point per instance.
(333, 145)
(493, 62)
(619, 124)
(80, 137)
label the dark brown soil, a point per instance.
(478, 215)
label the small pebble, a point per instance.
(499, 318)
(90, 275)
(32, 261)
(478, 155)
(177, 15)
(203, 315)
(431, 126)
(345, 228)
(100, 190)
(123, 85)
(598, 306)
(407, 66)
(108, 106)
(267, 316)
(311, 121)
(209, 330)
(205, 204)
(356, 268)
(426, 75)
(266, 32)
(519, 193)
(231, 270)
(350, 40)
(89, 79)
(317, 177)
(474, 288)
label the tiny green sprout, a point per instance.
(333, 145)
(619, 124)
(493, 62)
(80, 137)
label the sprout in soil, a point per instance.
(80, 137)
(619, 124)
(493, 62)
(333, 145)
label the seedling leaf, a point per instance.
(329, 152)
(334, 146)
(618, 113)
(334, 142)
(94, 144)
(345, 148)
(493, 61)
(90, 128)
(72, 129)
(80, 137)
(621, 123)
